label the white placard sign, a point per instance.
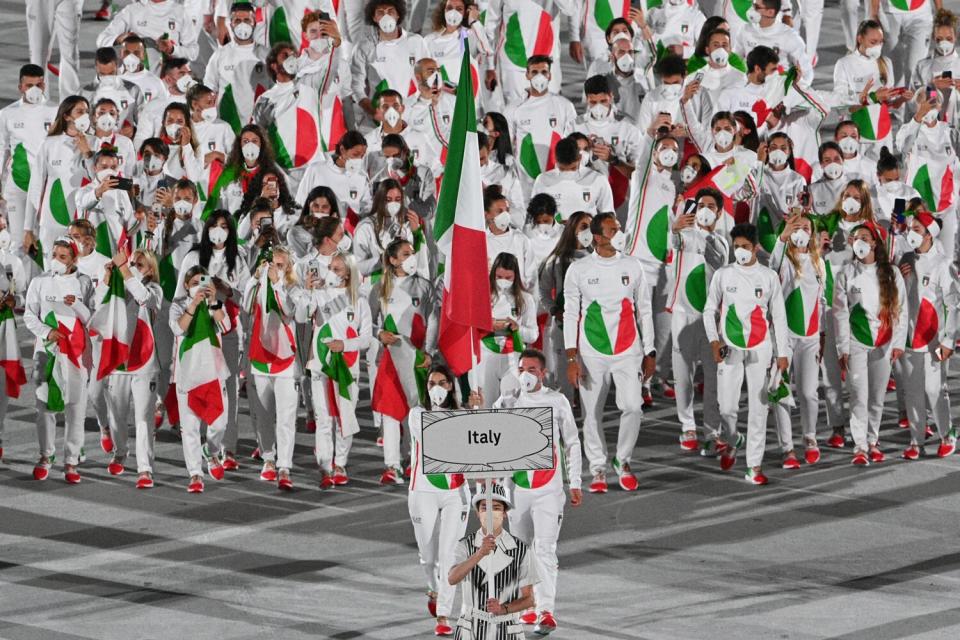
(491, 441)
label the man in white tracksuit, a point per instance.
(746, 300)
(49, 20)
(606, 296)
(538, 496)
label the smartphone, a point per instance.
(665, 129)
(698, 77)
(689, 206)
(206, 281)
(805, 199)
(899, 206)
(266, 223)
(947, 74)
(313, 269)
(724, 351)
(124, 184)
(324, 15)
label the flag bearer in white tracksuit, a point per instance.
(744, 305)
(401, 306)
(182, 313)
(136, 378)
(342, 330)
(870, 309)
(271, 295)
(933, 296)
(803, 278)
(514, 313)
(57, 311)
(438, 504)
(605, 298)
(698, 253)
(538, 496)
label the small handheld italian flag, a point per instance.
(528, 31)
(64, 376)
(14, 375)
(934, 178)
(295, 129)
(201, 368)
(127, 335)
(873, 122)
(272, 342)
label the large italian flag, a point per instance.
(460, 234)
(935, 179)
(64, 376)
(873, 121)
(112, 321)
(13, 373)
(528, 31)
(295, 130)
(733, 181)
(272, 342)
(648, 217)
(201, 368)
(332, 122)
(605, 11)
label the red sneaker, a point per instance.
(284, 483)
(597, 485)
(215, 468)
(812, 455)
(340, 477)
(877, 456)
(903, 423)
(837, 441)
(529, 617)
(625, 477)
(756, 477)
(379, 441)
(41, 471)
(115, 468)
(268, 473)
(106, 443)
(406, 472)
(230, 462)
(195, 486)
(728, 458)
(928, 432)
(891, 385)
(144, 482)
(911, 453)
(949, 447)
(791, 462)
(311, 425)
(668, 391)
(391, 475)
(860, 459)
(689, 442)
(326, 481)
(256, 455)
(443, 630)
(432, 604)
(71, 475)
(546, 624)
(647, 399)
(103, 14)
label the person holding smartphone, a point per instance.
(942, 69)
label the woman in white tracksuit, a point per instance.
(438, 503)
(514, 313)
(136, 379)
(780, 189)
(796, 259)
(870, 310)
(11, 279)
(402, 308)
(933, 298)
(340, 322)
(271, 296)
(698, 253)
(200, 298)
(57, 311)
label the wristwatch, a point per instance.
(216, 306)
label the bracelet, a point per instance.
(188, 313)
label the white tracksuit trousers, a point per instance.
(833, 383)
(74, 414)
(190, 434)
(906, 40)
(330, 452)
(690, 347)
(811, 17)
(752, 365)
(536, 517)
(492, 368)
(49, 20)
(119, 390)
(439, 520)
(868, 371)
(925, 382)
(230, 344)
(277, 396)
(625, 374)
(805, 376)
(850, 11)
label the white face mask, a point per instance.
(173, 132)
(528, 381)
(833, 170)
(873, 52)
(5, 239)
(945, 47)
(33, 95)
(626, 63)
(502, 220)
(753, 16)
(250, 151)
(243, 31)
(849, 145)
(58, 267)
(154, 164)
(290, 65)
(850, 205)
(539, 82)
(391, 116)
(409, 264)
(106, 122)
(497, 520)
(82, 123)
(930, 117)
(778, 157)
(618, 241)
(914, 239)
(395, 166)
(353, 165)
(671, 91)
(193, 291)
(217, 235)
(687, 174)
(438, 395)
(331, 279)
(184, 83)
(320, 45)
(453, 18)
(599, 111)
(109, 81)
(545, 229)
(861, 248)
(585, 157)
(503, 284)
(892, 187)
(344, 245)
(585, 237)
(800, 238)
(387, 24)
(706, 217)
(743, 256)
(103, 174)
(131, 63)
(667, 158)
(135, 273)
(182, 207)
(723, 138)
(393, 208)
(209, 114)
(719, 57)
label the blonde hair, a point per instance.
(152, 263)
(353, 284)
(866, 204)
(813, 250)
(289, 273)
